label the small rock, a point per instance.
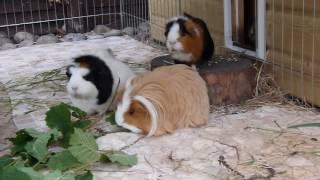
(128, 31)
(73, 26)
(143, 31)
(25, 43)
(3, 35)
(74, 37)
(22, 36)
(101, 29)
(93, 35)
(36, 37)
(144, 27)
(113, 32)
(7, 46)
(4, 40)
(47, 39)
(116, 141)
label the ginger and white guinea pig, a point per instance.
(161, 101)
(95, 79)
(188, 40)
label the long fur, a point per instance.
(188, 40)
(174, 97)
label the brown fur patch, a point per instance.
(139, 116)
(179, 95)
(84, 64)
(193, 44)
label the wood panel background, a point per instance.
(294, 46)
(211, 11)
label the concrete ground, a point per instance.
(236, 144)
(7, 127)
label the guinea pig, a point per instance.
(94, 81)
(163, 100)
(188, 40)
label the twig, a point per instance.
(136, 141)
(226, 165)
(232, 146)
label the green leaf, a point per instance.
(38, 148)
(34, 175)
(59, 117)
(111, 118)
(306, 125)
(122, 158)
(5, 161)
(19, 142)
(57, 175)
(13, 173)
(33, 132)
(87, 176)
(78, 113)
(84, 146)
(63, 161)
(55, 134)
(81, 124)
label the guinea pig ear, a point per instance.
(188, 15)
(138, 116)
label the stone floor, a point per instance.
(7, 127)
(254, 144)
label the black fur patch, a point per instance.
(183, 29)
(68, 73)
(100, 75)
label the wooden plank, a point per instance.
(293, 46)
(311, 86)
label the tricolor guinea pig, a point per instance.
(94, 81)
(188, 40)
(161, 101)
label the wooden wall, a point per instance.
(211, 11)
(294, 47)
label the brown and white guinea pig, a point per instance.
(95, 79)
(161, 101)
(188, 40)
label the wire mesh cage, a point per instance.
(48, 16)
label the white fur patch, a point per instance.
(172, 42)
(123, 107)
(153, 112)
(184, 57)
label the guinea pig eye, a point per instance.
(131, 112)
